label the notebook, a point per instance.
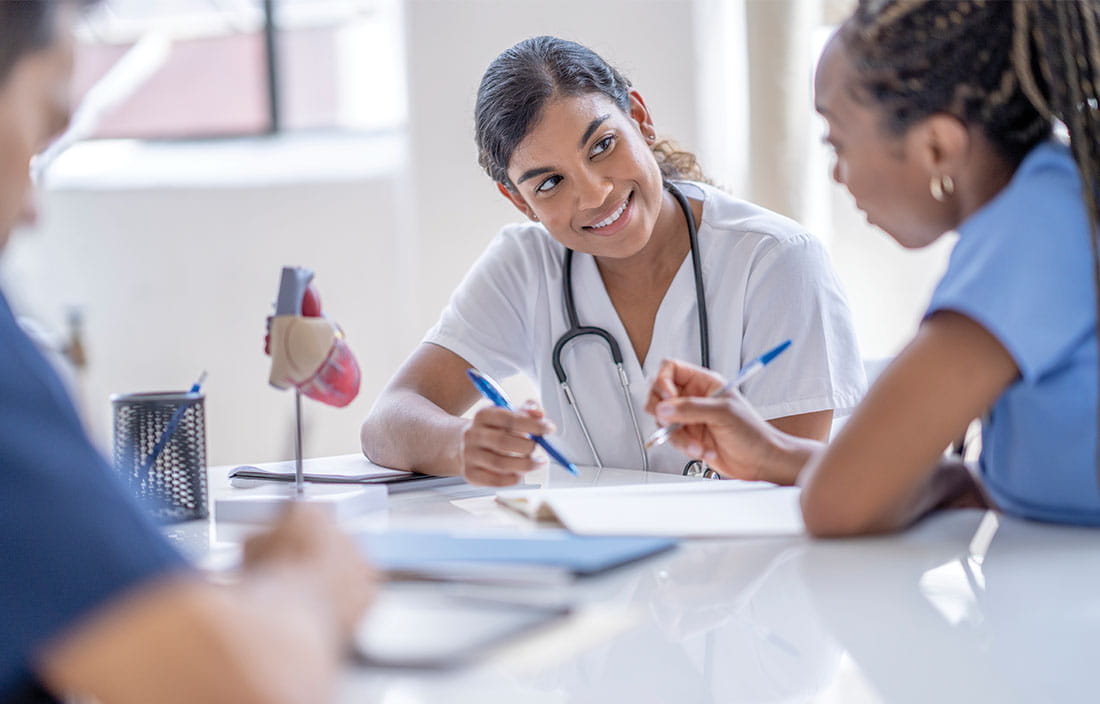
(343, 469)
(705, 508)
(551, 554)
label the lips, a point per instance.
(615, 220)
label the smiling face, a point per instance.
(34, 108)
(888, 175)
(586, 172)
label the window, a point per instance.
(202, 68)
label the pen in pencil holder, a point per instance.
(160, 451)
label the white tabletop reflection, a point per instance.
(967, 606)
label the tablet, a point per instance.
(422, 629)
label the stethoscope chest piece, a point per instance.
(699, 468)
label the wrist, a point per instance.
(454, 457)
(783, 456)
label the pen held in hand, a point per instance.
(750, 370)
(491, 391)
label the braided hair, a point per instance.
(1036, 61)
(518, 84)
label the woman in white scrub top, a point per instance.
(573, 147)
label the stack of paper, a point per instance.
(699, 509)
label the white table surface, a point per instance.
(968, 606)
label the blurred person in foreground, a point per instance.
(96, 602)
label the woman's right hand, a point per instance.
(725, 430)
(307, 541)
(497, 449)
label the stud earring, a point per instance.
(651, 137)
(941, 187)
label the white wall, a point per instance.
(450, 44)
(175, 280)
(175, 276)
(888, 287)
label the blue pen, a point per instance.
(494, 393)
(747, 372)
(169, 431)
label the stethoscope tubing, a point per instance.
(576, 330)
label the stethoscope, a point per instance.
(694, 467)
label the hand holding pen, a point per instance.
(704, 416)
(498, 446)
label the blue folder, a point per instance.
(579, 555)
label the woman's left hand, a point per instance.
(723, 430)
(958, 488)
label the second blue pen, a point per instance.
(495, 394)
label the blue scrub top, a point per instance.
(1022, 268)
(71, 539)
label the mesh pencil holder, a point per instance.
(160, 451)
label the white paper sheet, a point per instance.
(705, 508)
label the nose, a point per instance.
(839, 174)
(592, 189)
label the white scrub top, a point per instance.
(766, 280)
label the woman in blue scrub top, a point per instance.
(941, 117)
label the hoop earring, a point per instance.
(941, 187)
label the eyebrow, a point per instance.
(531, 173)
(588, 132)
(592, 127)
